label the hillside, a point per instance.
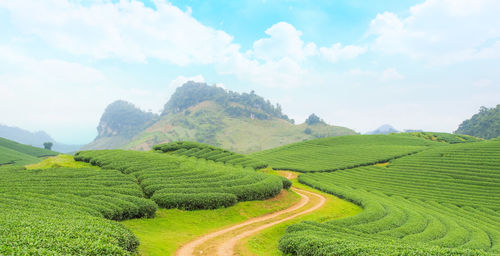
(198, 112)
(12, 152)
(441, 201)
(35, 139)
(328, 154)
(485, 124)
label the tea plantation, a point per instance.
(441, 201)
(68, 211)
(12, 152)
(208, 152)
(187, 183)
(343, 152)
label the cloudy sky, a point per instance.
(425, 64)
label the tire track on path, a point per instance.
(221, 246)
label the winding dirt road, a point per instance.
(222, 242)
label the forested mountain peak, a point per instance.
(235, 104)
(124, 119)
(485, 124)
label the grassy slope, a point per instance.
(266, 243)
(342, 152)
(208, 121)
(9, 156)
(26, 149)
(59, 161)
(12, 152)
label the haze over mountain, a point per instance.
(384, 129)
(35, 139)
(242, 122)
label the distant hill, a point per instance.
(12, 152)
(35, 139)
(485, 124)
(240, 122)
(120, 122)
(384, 129)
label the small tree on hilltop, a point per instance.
(314, 119)
(48, 145)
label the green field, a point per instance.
(12, 152)
(342, 152)
(68, 211)
(442, 201)
(187, 183)
(205, 151)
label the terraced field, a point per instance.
(208, 152)
(343, 152)
(442, 201)
(12, 152)
(188, 183)
(66, 211)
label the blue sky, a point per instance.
(425, 64)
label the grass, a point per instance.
(171, 228)
(59, 161)
(266, 242)
(343, 152)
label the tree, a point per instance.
(485, 124)
(308, 130)
(314, 119)
(48, 145)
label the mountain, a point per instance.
(241, 122)
(120, 122)
(485, 124)
(35, 139)
(384, 129)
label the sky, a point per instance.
(427, 64)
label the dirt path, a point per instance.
(222, 242)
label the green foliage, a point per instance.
(123, 119)
(48, 145)
(343, 152)
(161, 175)
(442, 201)
(308, 130)
(195, 201)
(9, 156)
(485, 124)
(66, 211)
(236, 105)
(26, 149)
(444, 137)
(314, 119)
(199, 150)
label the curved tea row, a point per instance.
(208, 152)
(443, 201)
(335, 153)
(68, 211)
(187, 183)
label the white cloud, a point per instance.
(283, 41)
(180, 80)
(336, 52)
(126, 30)
(390, 74)
(483, 83)
(441, 31)
(63, 98)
